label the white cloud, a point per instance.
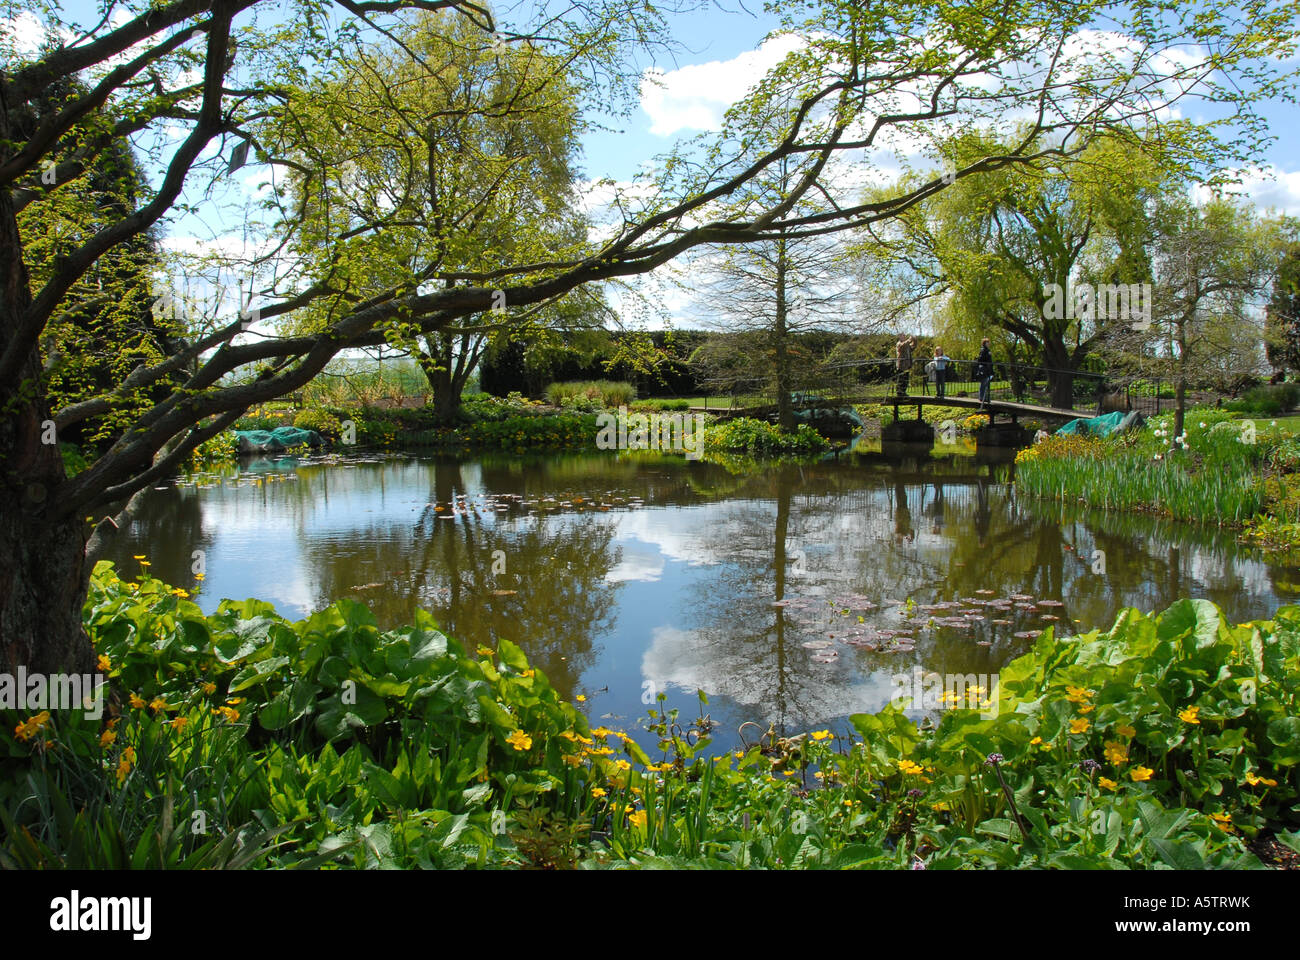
(1266, 188)
(695, 97)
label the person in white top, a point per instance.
(941, 361)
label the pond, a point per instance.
(791, 595)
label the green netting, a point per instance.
(277, 440)
(1102, 426)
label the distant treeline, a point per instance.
(516, 368)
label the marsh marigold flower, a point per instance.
(907, 766)
(1107, 783)
(1116, 752)
(1188, 714)
(104, 663)
(1138, 774)
(137, 701)
(597, 792)
(1254, 780)
(637, 818)
(107, 737)
(821, 734)
(1079, 725)
(1077, 694)
(519, 740)
(1126, 731)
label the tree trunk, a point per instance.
(42, 569)
(1060, 374)
(784, 408)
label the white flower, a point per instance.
(1202, 424)
(1157, 456)
(1272, 423)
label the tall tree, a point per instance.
(1213, 265)
(193, 81)
(1282, 341)
(1009, 252)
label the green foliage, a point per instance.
(591, 395)
(1162, 742)
(73, 461)
(322, 421)
(1218, 477)
(223, 448)
(1267, 399)
(760, 438)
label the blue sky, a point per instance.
(721, 53)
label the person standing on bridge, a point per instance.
(903, 362)
(984, 372)
(941, 361)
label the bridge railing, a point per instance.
(878, 381)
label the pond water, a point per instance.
(783, 593)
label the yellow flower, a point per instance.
(572, 759)
(622, 764)
(235, 701)
(1188, 714)
(158, 704)
(1034, 742)
(1223, 820)
(1139, 773)
(104, 663)
(180, 723)
(107, 737)
(601, 732)
(484, 651)
(1116, 752)
(140, 557)
(520, 740)
(907, 766)
(1126, 731)
(1254, 780)
(123, 768)
(1077, 694)
(230, 713)
(597, 792)
(821, 734)
(1086, 708)
(1079, 725)
(637, 819)
(528, 673)
(209, 687)
(1107, 783)
(29, 728)
(581, 698)
(137, 701)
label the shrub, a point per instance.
(760, 438)
(322, 421)
(605, 393)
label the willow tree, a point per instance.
(994, 250)
(434, 148)
(189, 82)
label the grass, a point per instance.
(1218, 476)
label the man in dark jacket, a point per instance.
(984, 372)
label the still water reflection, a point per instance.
(782, 593)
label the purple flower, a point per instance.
(994, 759)
(918, 864)
(914, 792)
(1089, 766)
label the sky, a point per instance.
(723, 49)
